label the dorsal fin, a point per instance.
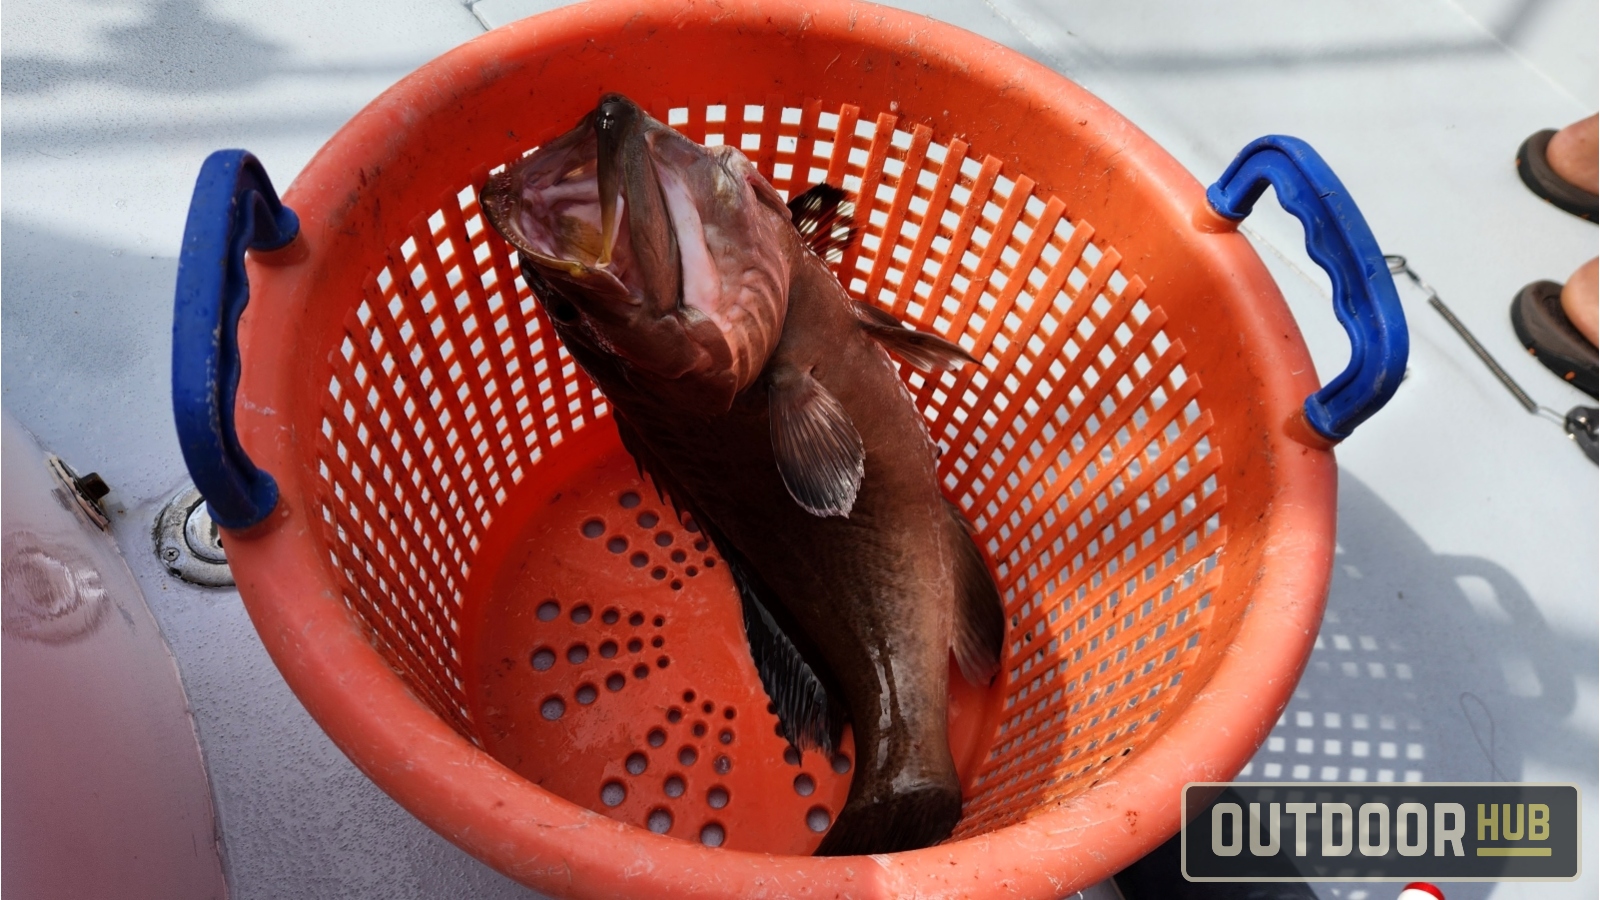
(927, 352)
(825, 217)
(808, 715)
(808, 712)
(637, 450)
(980, 622)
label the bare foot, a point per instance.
(1580, 300)
(1574, 154)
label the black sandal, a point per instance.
(1542, 327)
(1542, 180)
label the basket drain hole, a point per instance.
(619, 544)
(674, 786)
(717, 797)
(613, 793)
(818, 819)
(660, 821)
(712, 835)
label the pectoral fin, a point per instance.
(818, 449)
(927, 352)
(980, 618)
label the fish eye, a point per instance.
(561, 310)
(610, 117)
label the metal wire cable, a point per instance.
(1397, 266)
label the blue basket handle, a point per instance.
(1338, 239)
(234, 208)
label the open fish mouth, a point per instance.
(641, 231)
(549, 205)
(607, 206)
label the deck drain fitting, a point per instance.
(189, 543)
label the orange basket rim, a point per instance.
(555, 845)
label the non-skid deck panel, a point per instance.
(1080, 449)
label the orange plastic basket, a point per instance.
(465, 581)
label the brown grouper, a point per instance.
(759, 397)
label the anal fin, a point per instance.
(980, 624)
(818, 450)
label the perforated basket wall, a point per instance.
(1081, 450)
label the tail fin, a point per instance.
(908, 820)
